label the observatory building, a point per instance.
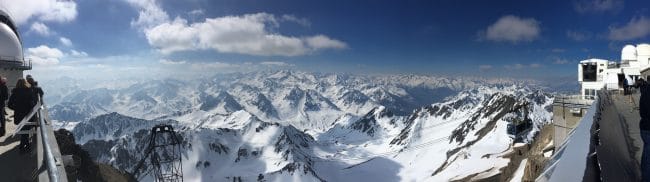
(12, 61)
(595, 74)
(596, 133)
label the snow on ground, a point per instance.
(64, 125)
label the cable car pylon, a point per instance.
(164, 154)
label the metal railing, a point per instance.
(40, 111)
(16, 62)
(570, 156)
(52, 170)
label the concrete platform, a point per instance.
(13, 165)
(619, 148)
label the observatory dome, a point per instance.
(10, 45)
(643, 49)
(628, 53)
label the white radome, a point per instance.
(628, 53)
(11, 47)
(643, 50)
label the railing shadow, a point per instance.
(9, 140)
(17, 166)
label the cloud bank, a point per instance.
(248, 34)
(597, 6)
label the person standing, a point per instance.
(626, 86)
(4, 95)
(644, 126)
(22, 100)
(35, 88)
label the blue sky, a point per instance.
(530, 39)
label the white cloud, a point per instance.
(43, 10)
(535, 65)
(246, 34)
(514, 66)
(484, 67)
(512, 29)
(561, 61)
(171, 62)
(637, 27)
(276, 63)
(597, 6)
(44, 55)
(173, 36)
(578, 35)
(323, 42)
(65, 41)
(76, 53)
(518, 66)
(149, 13)
(196, 12)
(300, 21)
(40, 28)
(558, 50)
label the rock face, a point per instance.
(296, 126)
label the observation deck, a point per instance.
(604, 146)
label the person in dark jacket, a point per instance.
(644, 125)
(35, 88)
(4, 95)
(22, 100)
(626, 86)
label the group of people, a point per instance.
(24, 96)
(628, 87)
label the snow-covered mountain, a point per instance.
(299, 126)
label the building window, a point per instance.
(590, 94)
(589, 72)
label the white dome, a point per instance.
(628, 53)
(10, 47)
(643, 49)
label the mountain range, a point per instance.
(303, 126)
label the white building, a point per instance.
(12, 62)
(595, 74)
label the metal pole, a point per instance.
(51, 166)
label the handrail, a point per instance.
(50, 161)
(26, 119)
(572, 150)
(52, 170)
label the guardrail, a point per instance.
(15, 62)
(573, 101)
(569, 160)
(53, 161)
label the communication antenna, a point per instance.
(164, 154)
